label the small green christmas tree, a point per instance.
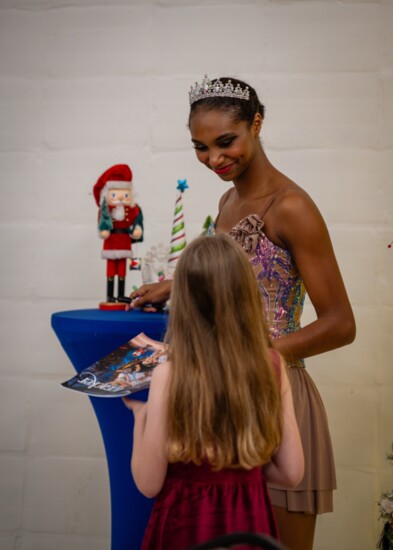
(105, 221)
(208, 222)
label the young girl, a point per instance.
(217, 411)
(290, 250)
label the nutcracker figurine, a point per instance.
(120, 223)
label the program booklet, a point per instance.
(125, 370)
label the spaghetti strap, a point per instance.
(222, 206)
(269, 204)
(261, 215)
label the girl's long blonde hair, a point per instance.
(224, 402)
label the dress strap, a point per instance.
(273, 198)
(262, 214)
(222, 206)
(268, 206)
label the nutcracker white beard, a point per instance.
(118, 213)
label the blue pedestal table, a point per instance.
(86, 336)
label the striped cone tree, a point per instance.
(178, 235)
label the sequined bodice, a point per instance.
(281, 287)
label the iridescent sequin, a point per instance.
(281, 287)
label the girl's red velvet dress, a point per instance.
(197, 504)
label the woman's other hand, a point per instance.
(152, 293)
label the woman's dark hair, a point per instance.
(241, 109)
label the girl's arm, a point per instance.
(287, 464)
(149, 459)
(304, 233)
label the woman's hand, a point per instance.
(153, 293)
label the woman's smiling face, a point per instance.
(223, 144)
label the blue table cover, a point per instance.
(88, 335)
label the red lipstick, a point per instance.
(223, 170)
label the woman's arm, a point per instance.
(158, 293)
(304, 233)
(287, 464)
(149, 459)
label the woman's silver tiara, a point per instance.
(216, 88)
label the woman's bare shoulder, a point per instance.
(293, 213)
(293, 200)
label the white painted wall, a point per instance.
(85, 84)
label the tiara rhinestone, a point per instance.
(216, 88)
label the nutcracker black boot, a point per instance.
(110, 286)
(121, 289)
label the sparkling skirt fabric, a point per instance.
(197, 505)
(314, 495)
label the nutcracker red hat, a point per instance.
(116, 177)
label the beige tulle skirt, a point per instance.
(314, 495)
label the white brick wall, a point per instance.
(85, 84)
